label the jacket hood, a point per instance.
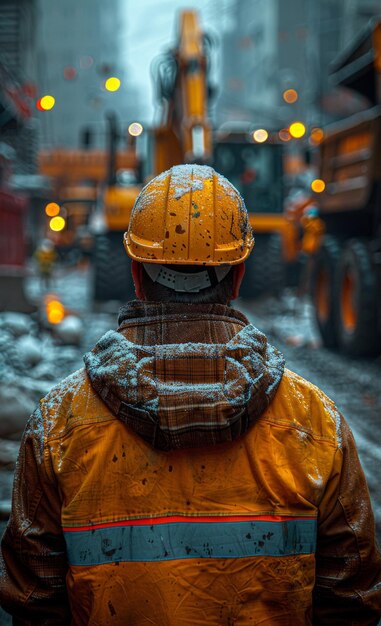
(185, 376)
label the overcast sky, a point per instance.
(151, 29)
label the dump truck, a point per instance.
(346, 275)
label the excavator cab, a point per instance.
(256, 170)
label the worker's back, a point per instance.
(184, 477)
(201, 535)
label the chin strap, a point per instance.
(184, 282)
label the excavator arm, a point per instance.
(184, 134)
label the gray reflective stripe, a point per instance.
(171, 541)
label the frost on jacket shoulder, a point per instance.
(185, 377)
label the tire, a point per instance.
(357, 292)
(112, 278)
(265, 270)
(323, 289)
(275, 265)
(254, 281)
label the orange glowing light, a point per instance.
(57, 223)
(112, 83)
(318, 185)
(297, 130)
(317, 135)
(290, 96)
(55, 311)
(52, 209)
(260, 135)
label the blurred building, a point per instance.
(248, 91)
(274, 46)
(80, 45)
(18, 130)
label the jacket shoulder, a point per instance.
(301, 405)
(73, 401)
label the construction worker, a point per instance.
(45, 256)
(185, 476)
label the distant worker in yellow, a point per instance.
(45, 256)
(185, 477)
(313, 229)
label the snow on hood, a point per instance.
(185, 375)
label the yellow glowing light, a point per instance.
(297, 130)
(55, 311)
(317, 135)
(290, 96)
(52, 209)
(260, 135)
(112, 83)
(284, 134)
(318, 185)
(57, 223)
(135, 129)
(47, 102)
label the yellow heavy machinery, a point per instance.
(184, 135)
(346, 278)
(97, 190)
(256, 169)
(181, 77)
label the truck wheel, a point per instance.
(255, 282)
(275, 265)
(323, 289)
(265, 270)
(112, 278)
(357, 293)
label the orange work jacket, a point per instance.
(270, 525)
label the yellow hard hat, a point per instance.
(189, 215)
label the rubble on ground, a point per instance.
(32, 360)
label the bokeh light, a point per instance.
(55, 311)
(85, 62)
(52, 209)
(260, 135)
(69, 72)
(284, 134)
(112, 83)
(135, 129)
(316, 135)
(318, 185)
(57, 223)
(290, 96)
(297, 130)
(46, 103)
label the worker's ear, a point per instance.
(239, 272)
(137, 273)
